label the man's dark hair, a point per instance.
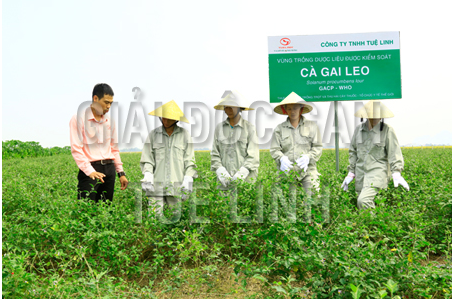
(100, 90)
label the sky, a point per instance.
(54, 52)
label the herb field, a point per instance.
(55, 246)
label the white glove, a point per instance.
(348, 179)
(286, 165)
(224, 176)
(187, 184)
(303, 162)
(148, 182)
(241, 174)
(398, 179)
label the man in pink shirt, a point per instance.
(94, 146)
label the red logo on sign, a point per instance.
(285, 41)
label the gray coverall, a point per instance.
(373, 154)
(234, 147)
(295, 142)
(169, 158)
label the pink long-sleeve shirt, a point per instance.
(93, 140)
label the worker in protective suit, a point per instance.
(235, 149)
(297, 143)
(374, 152)
(168, 159)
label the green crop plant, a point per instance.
(55, 246)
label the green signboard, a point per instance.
(335, 67)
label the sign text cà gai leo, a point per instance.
(335, 67)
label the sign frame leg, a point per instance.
(336, 135)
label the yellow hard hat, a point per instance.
(170, 110)
(292, 98)
(232, 99)
(374, 109)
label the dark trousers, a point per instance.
(95, 189)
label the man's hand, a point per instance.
(224, 176)
(348, 179)
(97, 175)
(398, 179)
(124, 182)
(303, 162)
(241, 174)
(187, 184)
(148, 182)
(286, 164)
